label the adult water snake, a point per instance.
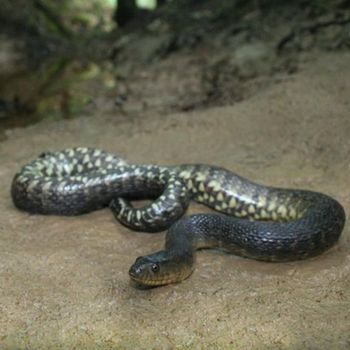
(259, 222)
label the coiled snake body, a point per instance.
(256, 221)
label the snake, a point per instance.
(248, 219)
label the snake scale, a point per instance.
(255, 221)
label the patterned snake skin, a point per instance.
(259, 222)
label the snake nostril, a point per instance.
(134, 271)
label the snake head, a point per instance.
(160, 268)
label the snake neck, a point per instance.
(268, 241)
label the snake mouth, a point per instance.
(169, 278)
(135, 277)
(141, 285)
(150, 282)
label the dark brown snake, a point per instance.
(259, 222)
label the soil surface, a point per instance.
(64, 281)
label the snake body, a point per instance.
(255, 221)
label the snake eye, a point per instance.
(155, 267)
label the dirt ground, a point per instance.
(64, 281)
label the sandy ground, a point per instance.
(64, 281)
